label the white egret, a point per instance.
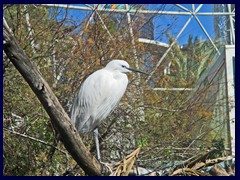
(98, 96)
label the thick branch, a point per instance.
(69, 135)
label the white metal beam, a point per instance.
(166, 52)
(193, 8)
(148, 41)
(199, 7)
(232, 30)
(230, 83)
(207, 34)
(182, 7)
(138, 11)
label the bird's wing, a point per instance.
(83, 105)
(112, 92)
(97, 97)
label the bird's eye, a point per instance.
(123, 66)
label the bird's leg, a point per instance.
(95, 134)
(106, 168)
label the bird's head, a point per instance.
(121, 66)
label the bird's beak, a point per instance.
(137, 71)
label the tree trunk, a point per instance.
(69, 135)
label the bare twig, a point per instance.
(35, 139)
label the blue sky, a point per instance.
(176, 22)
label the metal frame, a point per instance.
(140, 11)
(193, 12)
(230, 84)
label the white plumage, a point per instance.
(99, 95)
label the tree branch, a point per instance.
(69, 135)
(34, 139)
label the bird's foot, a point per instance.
(107, 168)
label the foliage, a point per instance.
(66, 51)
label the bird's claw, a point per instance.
(106, 168)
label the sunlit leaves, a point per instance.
(67, 52)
